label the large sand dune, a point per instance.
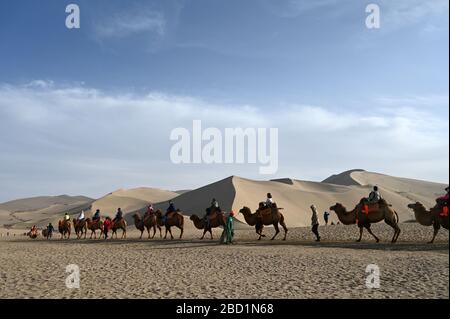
(296, 197)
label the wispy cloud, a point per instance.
(82, 140)
(430, 15)
(295, 8)
(133, 22)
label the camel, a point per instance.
(431, 217)
(80, 227)
(64, 228)
(148, 223)
(93, 226)
(381, 211)
(121, 224)
(174, 219)
(46, 234)
(260, 219)
(216, 219)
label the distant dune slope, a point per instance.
(25, 212)
(130, 201)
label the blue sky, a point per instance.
(72, 100)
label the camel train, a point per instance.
(363, 215)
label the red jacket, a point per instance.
(107, 224)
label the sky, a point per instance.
(90, 110)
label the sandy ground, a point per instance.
(297, 268)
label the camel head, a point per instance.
(416, 206)
(194, 218)
(245, 211)
(337, 208)
(158, 213)
(136, 216)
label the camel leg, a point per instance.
(182, 231)
(170, 232)
(85, 233)
(397, 230)
(259, 230)
(210, 232)
(167, 231)
(204, 233)
(361, 229)
(436, 227)
(154, 231)
(370, 232)
(148, 231)
(142, 232)
(160, 231)
(283, 224)
(277, 231)
(124, 234)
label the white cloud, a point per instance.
(82, 140)
(124, 24)
(295, 8)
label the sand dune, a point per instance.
(130, 200)
(296, 196)
(24, 213)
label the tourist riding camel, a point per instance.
(80, 225)
(269, 200)
(171, 219)
(33, 233)
(364, 217)
(150, 211)
(148, 222)
(64, 227)
(96, 216)
(119, 215)
(94, 225)
(216, 218)
(435, 217)
(259, 219)
(215, 207)
(442, 202)
(371, 201)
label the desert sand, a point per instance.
(190, 268)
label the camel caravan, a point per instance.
(368, 211)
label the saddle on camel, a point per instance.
(265, 211)
(442, 204)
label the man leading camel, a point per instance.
(315, 222)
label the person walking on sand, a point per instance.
(326, 215)
(228, 231)
(315, 222)
(106, 226)
(50, 230)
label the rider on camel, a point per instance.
(96, 215)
